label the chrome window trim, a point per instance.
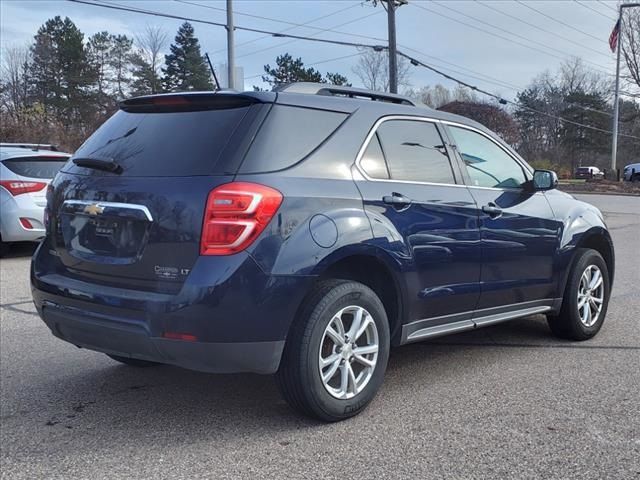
(128, 206)
(373, 131)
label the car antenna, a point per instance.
(213, 72)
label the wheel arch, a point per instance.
(371, 267)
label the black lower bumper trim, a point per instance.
(128, 339)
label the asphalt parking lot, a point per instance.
(507, 401)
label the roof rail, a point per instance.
(340, 91)
(31, 146)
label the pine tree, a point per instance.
(145, 78)
(61, 74)
(186, 68)
(288, 70)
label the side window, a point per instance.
(487, 164)
(373, 162)
(415, 152)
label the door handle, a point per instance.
(492, 210)
(397, 200)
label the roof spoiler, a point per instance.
(340, 91)
(188, 102)
(32, 146)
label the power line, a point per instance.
(318, 33)
(504, 101)
(313, 20)
(608, 6)
(353, 44)
(514, 17)
(501, 36)
(558, 21)
(314, 63)
(593, 10)
(218, 24)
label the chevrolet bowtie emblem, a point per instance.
(93, 209)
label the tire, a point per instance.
(4, 248)
(570, 323)
(133, 362)
(299, 376)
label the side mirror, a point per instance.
(544, 180)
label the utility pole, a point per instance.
(393, 58)
(392, 5)
(616, 104)
(230, 46)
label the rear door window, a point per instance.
(164, 144)
(415, 152)
(35, 167)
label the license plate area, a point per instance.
(103, 232)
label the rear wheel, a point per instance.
(4, 248)
(336, 352)
(133, 362)
(586, 298)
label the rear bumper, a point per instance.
(10, 226)
(238, 316)
(131, 339)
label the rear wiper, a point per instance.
(106, 164)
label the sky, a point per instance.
(498, 45)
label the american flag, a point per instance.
(613, 38)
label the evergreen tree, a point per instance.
(337, 79)
(186, 68)
(119, 58)
(61, 75)
(584, 144)
(288, 70)
(98, 50)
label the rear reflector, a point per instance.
(17, 187)
(187, 337)
(26, 223)
(235, 215)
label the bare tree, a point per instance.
(14, 73)
(373, 70)
(575, 76)
(150, 43)
(631, 45)
(438, 95)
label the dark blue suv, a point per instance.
(303, 233)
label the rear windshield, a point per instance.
(583, 169)
(182, 143)
(288, 135)
(35, 167)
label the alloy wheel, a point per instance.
(590, 295)
(348, 352)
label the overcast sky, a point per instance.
(436, 31)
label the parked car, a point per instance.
(25, 172)
(631, 172)
(589, 172)
(303, 235)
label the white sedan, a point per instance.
(25, 172)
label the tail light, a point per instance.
(18, 187)
(235, 215)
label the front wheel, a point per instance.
(586, 298)
(336, 353)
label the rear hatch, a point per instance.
(128, 209)
(35, 172)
